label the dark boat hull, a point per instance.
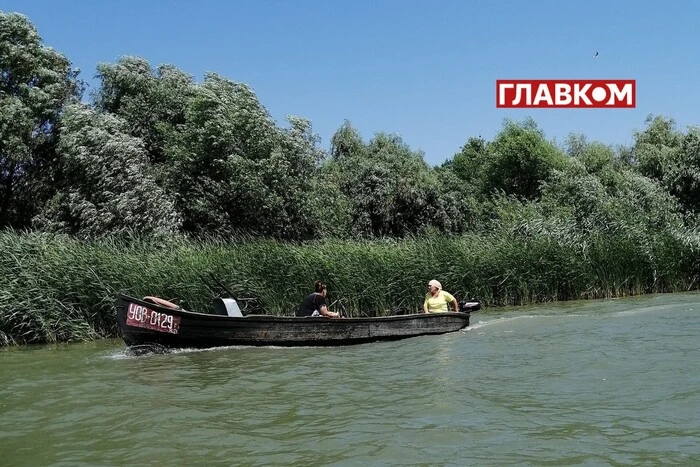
(149, 326)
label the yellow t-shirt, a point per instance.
(440, 303)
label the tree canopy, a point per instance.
(156, 153)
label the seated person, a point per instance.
(315, 303)
(437, 300)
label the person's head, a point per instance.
(320, 287)
(434, 286)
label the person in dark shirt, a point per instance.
(315, 303)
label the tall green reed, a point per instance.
(57, 289)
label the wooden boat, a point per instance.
(155, 325)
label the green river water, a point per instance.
(613, 382)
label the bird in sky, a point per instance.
(596, 55)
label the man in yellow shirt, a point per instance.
(437, 300)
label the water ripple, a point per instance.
(601, 383)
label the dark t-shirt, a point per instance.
(310, 304)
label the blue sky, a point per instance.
(423, 70)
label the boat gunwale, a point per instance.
(194, 315)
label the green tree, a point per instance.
(671, 157)
(657, 147)
(390, 189)
(106, 188)
(470, 164)
(36, 82)
(236, 172)
(520, 161)
(685, 178)
(457, 197)
(347, 142)
(151, 101)
(602, 197)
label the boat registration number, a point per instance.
(142, 317)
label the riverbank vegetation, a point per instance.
(157, 183)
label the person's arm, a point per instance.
(323, 309)
(452, 300)
(326, 312)
(425, 306)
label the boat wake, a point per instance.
(644, 310)
(494, 322)
(123, 354)
(509, 319)
(151, 351)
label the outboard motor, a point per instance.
(227, 307)
(467, 306)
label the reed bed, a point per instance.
(58, 289)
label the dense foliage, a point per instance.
(36, 83)
(159, 178)
(61, 288)
(157, 153)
